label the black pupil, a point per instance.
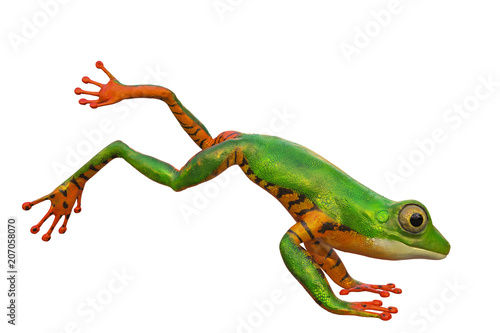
(416, 220)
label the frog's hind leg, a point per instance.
(194, 128)
(309, 273)
(205, 165)
(114, 91)
(329, 261)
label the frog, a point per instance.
(331, 210)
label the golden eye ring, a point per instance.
(413, 218)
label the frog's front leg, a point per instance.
(330, 262)
(307, 271)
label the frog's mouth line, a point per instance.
(394, 250)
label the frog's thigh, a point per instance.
(329, 261)
(284, 163)
(209, 163)
(304, 268)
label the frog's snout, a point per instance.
(447, 248)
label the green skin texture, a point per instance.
(344, 199)
(338, 195)
(291, 166)
(295, 167)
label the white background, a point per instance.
(207, 259)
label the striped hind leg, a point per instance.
(114, 92)
(329, 261)
(306, 268)
(205, 165)
(192, 126)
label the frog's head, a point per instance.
(407, 232)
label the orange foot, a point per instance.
(385, 313)
(62, 200)
(382, 290)
(109, 93)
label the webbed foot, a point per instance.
(62, 200)
(376, 305)
(382, 290)
(109, 93)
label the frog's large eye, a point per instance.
(413, 218)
